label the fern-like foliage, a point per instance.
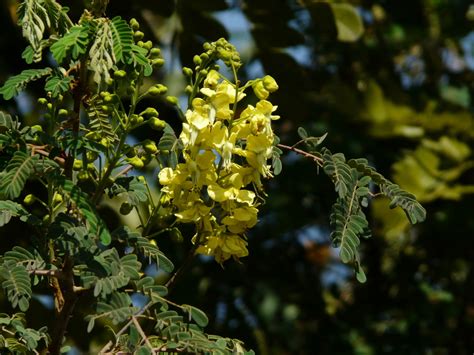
(102, 55)
(335, 166)
(21, 256)
(18, 170)
(16, 337)
(15, 84)
(143, 245)
(33, 18)
(132, 187)
(81, 200)
(351, 180)
(74, 43)
(16, 284)
(398, 197)
(122, 37)
(57, 84)
(118, 308)
(99, 119)
(9, 209)
(57, 14)
(108, 272)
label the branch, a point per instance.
(142, 333)
(52, 273)
(318, 160)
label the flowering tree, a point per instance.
(212, 167)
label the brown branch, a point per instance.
(52, 273)
(64, 312)
(142, 333)
(316, 159)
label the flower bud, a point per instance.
(62, 113)
(37, 128)
(136, 162)
(150, 112)
(29, 199)
(172, 100)
(153, 91)
(149, 146)
(187, 71)
(138, 35)
(260, 90)
(156, 124)
(148, 45)
(134, 24)
(91, 156)
(159, 62)
(42, 101)
(155, 52)
(118, 74)
(77, 165)
(57, 198)
(269, 83)
(83, 176)
(197, 60)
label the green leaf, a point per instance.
(335, 167)
(99, 120)
(122, 37)
(118, 308)
(348, 22)
(197, 315)
(9, 209)
(302, 133)
(102, 55)
(15, 84)
(17, 285)
(15, 175)
(57, 84)
(96, 225)
(6, 121)
(33, 18)
(74, 43)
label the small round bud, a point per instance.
(37, 128)
(57, 198)
(172, 100)
(159, 62)
(136, 162)
(77, 165)
(138, 35)
(206, 46)
(176, 235)
(150, 112)
(49, 106)
(125, 208)
(163, 89)
(148, 45)
(105, 108)
(188, 89)
(153, 91)
(149, 146)
(269, 83)
(109, 81)
(118, 74)
(29, 199)
(108, 98)
(146, 158)
(105, 142)
(155, 52)
(134, 24)
(42, 101)
(104, 94)
(83, 176)
(187, 71)
(141, 178)
(62, 113)
(203, 72)
(140, 44)
(204, 56)
(197, 60)
(156, 124)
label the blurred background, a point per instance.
(395, 88)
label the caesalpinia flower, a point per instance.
(224, 157)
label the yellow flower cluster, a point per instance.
(225, 156)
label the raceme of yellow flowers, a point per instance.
(225, 156)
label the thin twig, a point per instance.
(142, 333)
(313, 157)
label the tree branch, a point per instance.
(316, 159)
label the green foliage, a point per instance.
(14, 85)
(122, 37)
(15, 336)
(14, 177)
(57, 84)
(73, 43)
